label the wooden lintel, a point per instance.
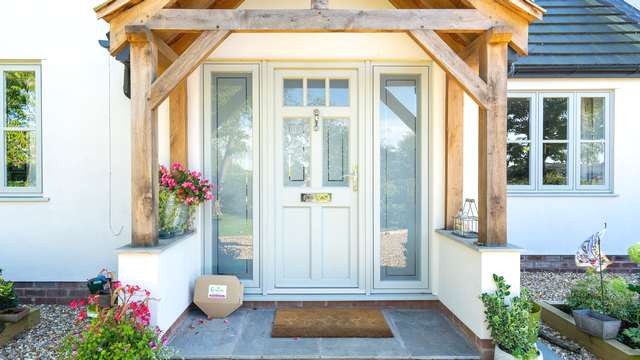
(137, 14)
(195, 54)
(329, 20)
(138, 33)
(451, 63)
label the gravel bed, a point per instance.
(42, 341)
(554, 287)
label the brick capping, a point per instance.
(559, 263)
(50, 292)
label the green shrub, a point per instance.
(8, 298)
(509, 321)
(620, 302)
(632, 337)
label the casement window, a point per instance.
(559, 142)
(20, 159)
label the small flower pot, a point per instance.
(13, 315)
(534, 320)
(499, 354)
(596, 324)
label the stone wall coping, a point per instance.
(163, 245)
(471, 243)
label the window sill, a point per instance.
(23, 199)
(561, 194)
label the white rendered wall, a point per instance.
(547, 224)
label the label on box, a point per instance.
(217, 292)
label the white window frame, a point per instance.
(6, 191)
(537, 187)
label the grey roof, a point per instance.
(582, 38)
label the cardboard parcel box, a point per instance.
(218, 295)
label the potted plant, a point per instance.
(513, 329)
(9, 309)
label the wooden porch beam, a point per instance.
(195, 54)
(144, 143)
(134, 15)
(398, 20)
(451, 63)
(492, 170)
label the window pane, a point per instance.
(292, 92)
(296, 151)
(316, 92)
(592, 118)
(336, 152)
(518, 112)
(20, 98)
(518, 163)
(399, 180)
(339, 92)
(554, 168)
(233, 163)
(592, 164)
(555, 118)
(20, 158)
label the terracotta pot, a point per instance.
(13, 315)
(499, 354)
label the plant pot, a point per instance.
(596, 324)
(500, 354)
(13, 315)
(534, 320)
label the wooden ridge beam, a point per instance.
(398, 20)
(453, 65)
(195, 54)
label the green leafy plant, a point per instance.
(119, 332)
(509, 320)
(8, 298)
(632, 337)
(620, 302)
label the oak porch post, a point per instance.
(454, 158)
(144, 142)
(492, 170)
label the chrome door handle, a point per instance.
(217, 208)
(353, 178)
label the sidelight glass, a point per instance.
(399, 177)
(296, 151)
(233, 164)
(336, 152)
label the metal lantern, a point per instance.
(465, 223)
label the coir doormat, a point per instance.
(330, 323)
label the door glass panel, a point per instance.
(292, 92)
(20, 98)
(336, 152)
(592, 170)
(554, 168)
(399, 179)
(316, 92)
(339, 92)
(20, 158)
(232, 154)
(296, 151)
(592, 118)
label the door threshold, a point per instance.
(341, 297)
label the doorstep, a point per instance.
(246, 334)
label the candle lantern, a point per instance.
(465, 223)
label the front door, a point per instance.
(316, 174)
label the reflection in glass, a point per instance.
(232, 135)
(592, 118)
(336, 152)
(592, 170)
(399, 181)
(297, 157)
(554, 167)
(20, 158)
(518, 163)
(555, 118)
(316, 92)
(339, 92)
(292, 92)
(518, 113)
(20, 98)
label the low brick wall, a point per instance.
(51, 292)
(621, 263)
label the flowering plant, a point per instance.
(119, 332)
(188, 186)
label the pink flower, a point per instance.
(82, 315)
(73, 304)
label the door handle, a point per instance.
(353, 178)
(217, 208)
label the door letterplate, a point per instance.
(315, 197)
